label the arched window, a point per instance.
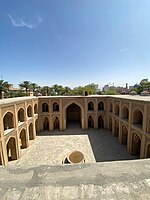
(46, 124)
(90, 122)
(125, 113)
(90, 106)
(117, 109)
(11, 149)
(45, 107)
(8, 121)
(21, 115)
(101, 105)
(35, 109)
(56, 123)
(138, 118)
(56, 107)
(100, 122)
(29, 111)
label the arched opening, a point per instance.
(125, 113)
(124, 135)
(136, 144)
(35, 109)
(55, 107)
(90, 106)
(90, 122)
(116, 128)
(110, 123)
(8, 121)
(101, 105)
(46, 124)
(45, 107)
(56, 123)
(1, 162)
(100, 122)
(36, 126)
(23, 139)
(73, 116)
(31, 133)
(138, 118)
(29, 111)
(110, 107)
(21, 115)
(11, 149)
(117, 109)
(148, 151)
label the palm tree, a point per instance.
(34, 86)
(4, 86)
(26, 85)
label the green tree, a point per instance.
(26, 85)
(4, 87)
(34, 86)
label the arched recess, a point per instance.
(110, 123)
(8, 121)
(55, 107)
(110, 107)
(23, 139)
(31, 132)
(29, 111)
(101, 105)
(124, 136)
(45, 107)
(136, 144)
(90, 106)
(117, 109)
(116, 133)
(35, 109)
(45, 124)
(11, 149)
(36, 126)
(138, 118)
(56, 123)
(90, 122)
(21, 117)
(100, 121)
(148, 151)
(125, 113)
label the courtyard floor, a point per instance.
(51, 148)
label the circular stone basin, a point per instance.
(76, 157)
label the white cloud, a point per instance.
(20, 23)
(126, 49)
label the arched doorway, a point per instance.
(23, 139)
(8, 121)
(73, 116)
(31, 133)
(100, 122)
(125, 113)
(21, 115)
(55, 107)
(116, 128)
(45, 107)
(46, 124)
(138, 118)
(56, 123)
(124, 135)
(101, 105)
(90, 122)
(11, 149)
(148, 151)
(136, 144)
(29, 111)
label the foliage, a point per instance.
(4, 87)
(26, 85)
(111, 92)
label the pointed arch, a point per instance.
(8, 121)
(101, 105)
(35, 108)
(21, 115)
(55, 107)
(125, 113)
(138, 118)
(45, 107)
(56, 123)
(90, 122)
(90, 106)
(100, 121)
(23, 139)
(45, 124)
(11, 149)
(29, 111)
(124, 135)
(136, 144)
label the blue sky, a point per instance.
(75, 42)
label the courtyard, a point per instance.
(51, 148)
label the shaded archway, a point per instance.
(100, 122)
(29, 111)
(23, 139)
(117, 109)
(56, 123)
(55, 107)
(138, 118)
(35, 109)
(8, 121)
(136, 144)
(125, 113)
(73, 115)
(45, 107)
(21, 117)
(31, 132)
(101, 105)
(90, 106)
(124, 136)
(148, 151)
(90, 122)
(116, 133)
(11, 149)
(46, 124)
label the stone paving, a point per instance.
(51, 148)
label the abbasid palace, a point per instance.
(125, 117)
